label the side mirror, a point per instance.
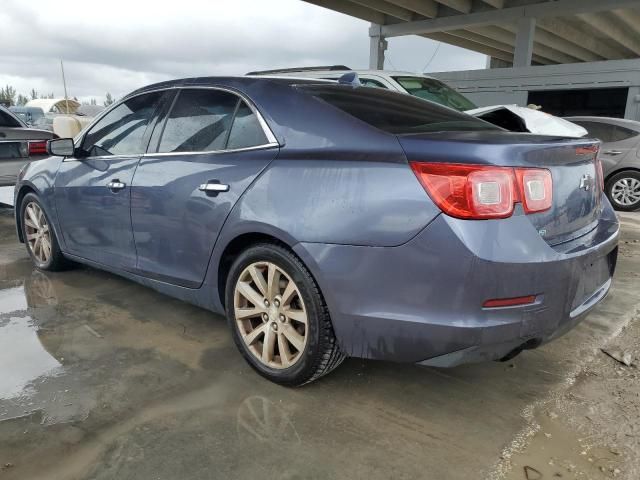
(61, 147)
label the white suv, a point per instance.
(510, 117)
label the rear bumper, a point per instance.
(422, 301)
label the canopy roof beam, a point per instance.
(509, 14)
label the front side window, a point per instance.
(435, 91)
(370, 82)
(121, 131)
(199, 121)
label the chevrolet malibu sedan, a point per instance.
(330, 220)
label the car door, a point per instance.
(209, 149)
(617, 142)
(93, 189)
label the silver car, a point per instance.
(620, 155)
(19, 145)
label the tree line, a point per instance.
(9, 96)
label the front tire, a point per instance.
(39, 236)
(278, 317)
(623, 190)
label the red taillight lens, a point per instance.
(482, 192)
(509, 302)
(468, 191)
(38, 148)
(537, 189)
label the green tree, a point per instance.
(8, 95)
(34, 94)
(93, 102)
(22, 100)
(108, 99)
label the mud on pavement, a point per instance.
(101, 378)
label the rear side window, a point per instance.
(199, 121)
(607, 132)
(7, 120)
(120, 132)
(246, 130)
(395, 112)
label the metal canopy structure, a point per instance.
(515, 33)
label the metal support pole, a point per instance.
(524, 42)
(377, 47)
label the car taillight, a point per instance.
(482, 191)
(38, 147)
(537, 189)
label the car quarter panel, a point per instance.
(424, 299)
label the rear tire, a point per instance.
(39, 236)
(623, 190)
(278, 317)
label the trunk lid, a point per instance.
(577, 195)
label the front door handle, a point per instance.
(613, 152)
(213, 188)
(116, 185)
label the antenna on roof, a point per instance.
(350, 78)
(64, 84)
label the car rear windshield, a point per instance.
(395, 112)
(435, 91)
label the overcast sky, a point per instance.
(118, 46)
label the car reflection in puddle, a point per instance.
(264, 421)
(32, 380)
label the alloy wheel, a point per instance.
(37, 232)
(270, 315)
(626, 191)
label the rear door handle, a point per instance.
(213, 188)
(116, 185)
(613, 152)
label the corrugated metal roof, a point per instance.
(567, 31)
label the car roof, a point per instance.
(230, 81)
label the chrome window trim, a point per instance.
(213, 152)
(272, 141)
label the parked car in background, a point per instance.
(28, 115)
(620, 155)
(19, 144)
(510, 117)
(263, 197)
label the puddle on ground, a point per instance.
(12, 300)
(23, 357)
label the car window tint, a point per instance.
(435, 91)
(7, 120)
(246, 130)
(120, 131)
(199, 121)
(606, 132)
(370, 82)
(395, 113)
(622, 133)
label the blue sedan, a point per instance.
(330, 220)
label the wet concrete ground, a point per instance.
(101, 378)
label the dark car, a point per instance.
(19, 144)
(620, 155)
(330, 220)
